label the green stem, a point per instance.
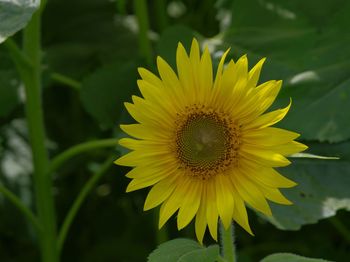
(143, 22)
(162, 18)
(89, 185)
(18, 203)
(227, 245)
(42, 181)
(17, 55)
(78, 149)
(341, 228)
(66, 81)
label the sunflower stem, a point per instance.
(227, 245)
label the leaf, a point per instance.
(183, 250)
(104, 92)
(323, 188)
(309, 48)
(287, 257)
(8, 92)
(14, 15)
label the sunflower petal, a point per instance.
(173, 203)
(268, 119)
(190, 204)
(212, 211)
(240, 214)
(160, 192)
(201, 220)
(224, 199)
(251, 194)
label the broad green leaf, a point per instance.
(323, 188)
(183, 250)
(309, 48)
(8, 92)
(286, 257)
(14, 15)
(104, 92)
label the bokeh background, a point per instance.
(91, 51)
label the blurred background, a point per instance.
(91, 51)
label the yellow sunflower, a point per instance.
(205, 145)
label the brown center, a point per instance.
(206, 142)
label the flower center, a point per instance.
(206, 142)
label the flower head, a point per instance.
(205, 145)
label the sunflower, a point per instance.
(205, 146)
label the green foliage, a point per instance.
(14, 15)
(285, 257)
(90, 57)
(184, 250)
(8, 92)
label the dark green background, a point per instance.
(307, 44)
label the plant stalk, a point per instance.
(227, 245)
(42, 180)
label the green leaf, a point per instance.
(286, 257)
(309, 48)
(14, 15)
(8, 92)
(183, 250)
(104, 92)
(323, 188)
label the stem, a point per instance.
(162, 18)
(17, 55)
(42, 181)
(19, 204)
(227, 245)
(89, 185)
(66, 81)
(144, 41)
(78, 149)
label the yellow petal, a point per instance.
(240, 214)
(160, 192)
(250, 193)
(266, 175)
(150, 77)
(148, 179)
(201, 219)
(190, 204)
(224, 199)
(218, 76)
(275, 195)
(142, 131)
(173, 203)
(264, 157)
(136, 158)
(288, 148)
(254, 73)
(268, 119)
(205, 74)
(184, 70)
(212, 211)
(268, 136)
